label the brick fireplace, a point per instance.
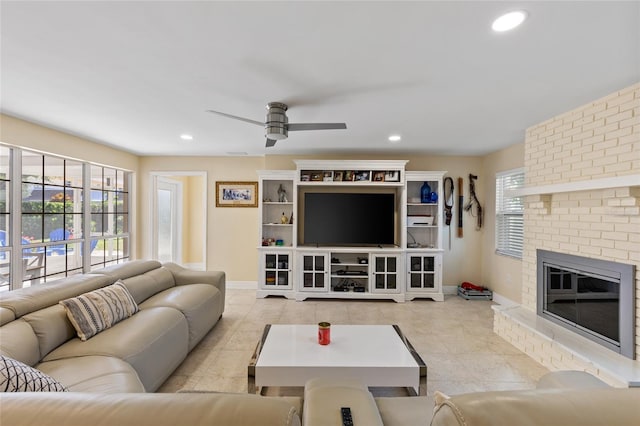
(582, 188)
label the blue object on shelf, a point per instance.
(425, 193)
(433, 196)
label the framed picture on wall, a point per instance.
(236, 194)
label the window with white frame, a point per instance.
(509, 213)
(69, 217)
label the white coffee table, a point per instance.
(376, 355)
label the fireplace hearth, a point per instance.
(591, 297)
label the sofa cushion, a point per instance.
(201, 304)
(51, 326)
(153, 341)
(16, 376)
(18, 341)
(29, 299)
(100, 309)
(101, 374)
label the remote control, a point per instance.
(347, 420)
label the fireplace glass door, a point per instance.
(588, 301)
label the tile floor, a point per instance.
(454, 338)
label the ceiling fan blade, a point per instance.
(236, 117)
(270, 143)
(316, 126)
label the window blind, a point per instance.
(509, 214)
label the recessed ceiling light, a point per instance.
(395, 138)
(509, 21)
(186, 137)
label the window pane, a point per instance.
(32, 165)
(54, 170)
(4, 196)
(109, 181)
(5, 157)
(509, 213)
(73, 174)
(96, 177)
(53, 199)
(32, 227)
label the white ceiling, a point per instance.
(136, 75)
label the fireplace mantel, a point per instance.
(582, 185)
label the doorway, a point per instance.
(178, 210)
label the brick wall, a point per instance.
(598, 140)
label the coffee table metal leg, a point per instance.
(422, 388)
(251, 368)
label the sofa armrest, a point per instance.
(323, 399)
(184, 276)
(595, 407)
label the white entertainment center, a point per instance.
(408, 267)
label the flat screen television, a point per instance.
(349, 219)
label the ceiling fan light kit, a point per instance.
(276, 125)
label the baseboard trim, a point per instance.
(450, 289)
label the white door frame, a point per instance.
(155, 177)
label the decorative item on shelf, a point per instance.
(291, 219)
(425, 193)
(392, 176)
(283, 219)
(268, 241)
(378, 176)
(433, 196)
(324, 333)
(362, 175)
(282, 194)
(363, 260)
(279, 242)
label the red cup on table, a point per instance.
(324, 333)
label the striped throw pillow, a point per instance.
(97, 310)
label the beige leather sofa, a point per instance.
(563, 398)
(178, 307)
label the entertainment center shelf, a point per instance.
(389, 242)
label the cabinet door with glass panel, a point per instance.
(385, 272)
(423, 272)
(276, 270)
(314, 272)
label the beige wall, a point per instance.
(194, 213)
(502, 274)
(232, 233)
(18, 132)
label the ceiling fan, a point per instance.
(277, 126)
